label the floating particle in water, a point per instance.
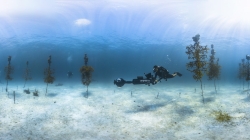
(168, 59)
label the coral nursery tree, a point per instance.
(49, 79)
(213, 71)
(8, 70)
(86, 72)
(197, 54)
(242, 71)
(247, 70)
(26, 74)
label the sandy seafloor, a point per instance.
(111, 113)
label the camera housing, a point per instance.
(119, 82)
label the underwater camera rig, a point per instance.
(119, 82)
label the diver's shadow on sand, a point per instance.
(184, 111)
(247, 99)
(147, 108)
(213, 92)
(247, 92)
(209, 99)
(86, 94)
(51, 94)
(11, 95)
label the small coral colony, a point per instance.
(199, 65)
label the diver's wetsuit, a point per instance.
(162, 73)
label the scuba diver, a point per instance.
(69, 74)
(150, 79)
(163, 73)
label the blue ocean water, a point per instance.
(121, 38)
(124, 39)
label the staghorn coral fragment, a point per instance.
(49, 78)
(86, 73)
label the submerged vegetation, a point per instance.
(86, 72)
(27, 91)
(197, 65)
(8, 70)
(213, 71)
(49, 79)
(35, 93)
(222, 116)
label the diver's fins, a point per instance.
(179, 74)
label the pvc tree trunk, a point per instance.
(202, 93)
